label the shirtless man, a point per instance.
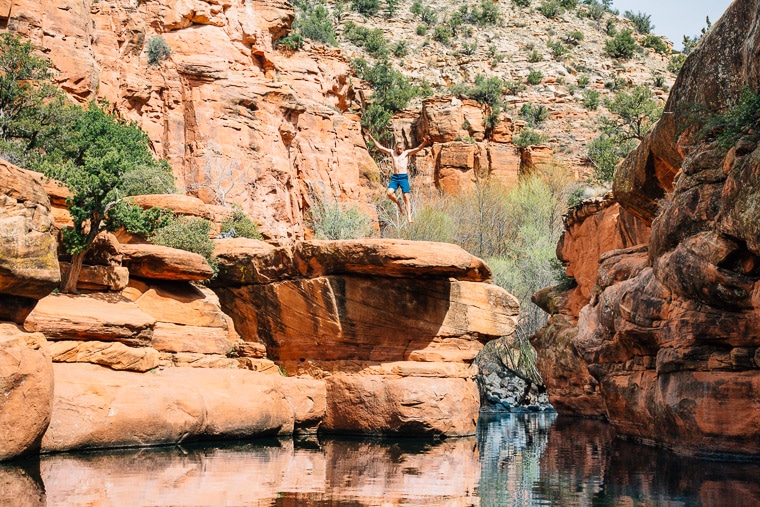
(400, 178)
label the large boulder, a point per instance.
(28, 257)
(26, 384)
(376, 319)
(372, 404)
(341, 317)
(156, 262)
(125, 409)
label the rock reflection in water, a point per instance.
(516, 460)
(332, 472)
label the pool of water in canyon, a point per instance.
(515, 460)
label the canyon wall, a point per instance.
(664, 343)
(241, 121)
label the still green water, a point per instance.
(515, 460)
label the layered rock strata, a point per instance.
(391, 326)
(669, 334)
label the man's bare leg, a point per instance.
(408, 208)
(392, 196)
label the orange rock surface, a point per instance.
(26, 382)
(669, 334)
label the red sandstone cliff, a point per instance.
(666, 346)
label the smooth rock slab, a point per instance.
(91, 317)
(26, 390)
(114, 355)
(390, 258)
(374, 404)
(163, 263)
(95, 407)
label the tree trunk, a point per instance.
(69, 281)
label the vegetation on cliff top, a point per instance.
(100, 157)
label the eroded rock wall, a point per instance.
(391, 326)
(669, 336)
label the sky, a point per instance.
(676, 18)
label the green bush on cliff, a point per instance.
(35, 116)
(641, 21)
(313, 21)
(187, 233)
(621, 46)
(635, 114)
(738, 120)
(158, 50)
(240, 225)
(391, 92)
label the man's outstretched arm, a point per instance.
(379, 146)
(425, 142)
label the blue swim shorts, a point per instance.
(399, 180)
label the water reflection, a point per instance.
(525, 459)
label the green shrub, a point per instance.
(534, 114)
(416, 8)
(676, 62)
(550, 8)
(658, 81)
(568, 4)
(391, 6)
(641, 21)
(429, 16)
(391, 93)
(422, 29)
(158, 50)
(604, 154)
(469, 49)
(636, 113)
(401, 49)
(591, 99)
(535, 56)
(656, 43)
(187, 233)
(528, 137)
(146, 180)
(558, 49)
(622, 46)
(332, 220)
(371, 39)
(487, 14)
(314, 22)
(595, 10)
(135, 220)
(240, 225)
(366, 7)
(535, 76)
(514, 87)
(583, 80)
(292, 41)
(738, 120)
(610, 27)
(574, 38)
(442, 34)
(521, 3)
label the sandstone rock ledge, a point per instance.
(391, 326)
(97, 408)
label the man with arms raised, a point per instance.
(400, 178)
